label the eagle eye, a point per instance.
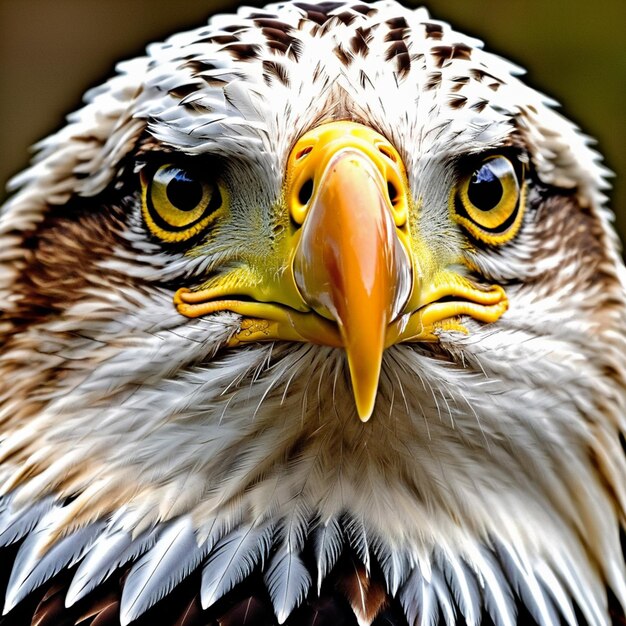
(178, 202)
(489, 201)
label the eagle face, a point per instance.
(316, 313)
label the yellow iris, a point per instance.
(178, 203)
(489, 202)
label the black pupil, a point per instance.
(184, 192)
(485, 189)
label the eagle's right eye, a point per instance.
(178, 203)
(489, 202)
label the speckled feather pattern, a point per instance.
(146, 470)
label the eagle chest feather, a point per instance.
(313, 315)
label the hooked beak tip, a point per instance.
(365, 366)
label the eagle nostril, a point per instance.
(306, 191)
(388, 153)
(392, 191)
(302, 153)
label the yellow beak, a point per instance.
(350, 265)
(347, 272)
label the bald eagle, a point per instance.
(313, 315)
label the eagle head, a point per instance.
(313, 314)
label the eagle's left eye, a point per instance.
(489, 201)
(177, 203)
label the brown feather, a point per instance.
(98, 607)
(366, 595)
(50, 611)
(110, 616)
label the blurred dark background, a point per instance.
(52, 50)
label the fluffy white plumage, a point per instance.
(491, 475)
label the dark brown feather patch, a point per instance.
(366, 596)
(243, 51)
(109, 615)
(433, 80)
(49, 611)
(360, 41)
(433, 31)
(272, 69)
(397, 23)
(318, 13)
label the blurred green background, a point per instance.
(52, 50)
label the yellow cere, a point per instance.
(317, 147)
(178, 204)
